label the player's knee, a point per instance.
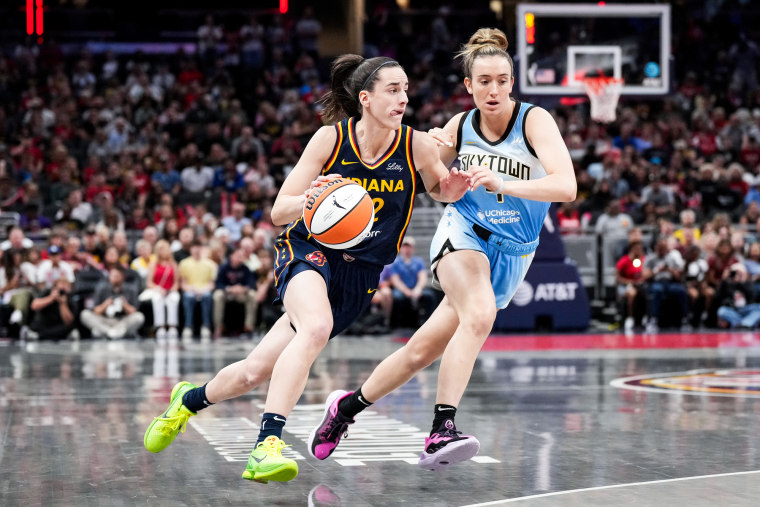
(317, 333)
(479, 320)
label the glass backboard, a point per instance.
(560, 44)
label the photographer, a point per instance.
(115, 314)
(53, 317)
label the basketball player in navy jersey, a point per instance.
(325, 290)
(485, 242)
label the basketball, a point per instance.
(339, 213)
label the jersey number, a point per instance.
(379, 203)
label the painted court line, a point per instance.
(613, 486)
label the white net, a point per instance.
(604, 93)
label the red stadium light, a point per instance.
(39, 17)
(283, 6)
(29, 17)
(530, 28)
(34, 17)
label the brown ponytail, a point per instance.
(349, 75)
(484, 42)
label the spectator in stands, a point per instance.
(196, 179)
(720, 263)
(163, 283)
(699, 291)
(629, 279)
(17, 282)
(737, 299)
(53, 315)
(234, 223)
(50, 270)
(753, 194)
(688, 227)
(145, 257)
(613, 222)
(16, 241)
(115, 312)
(73, 255)
(663, 272)
(197, 277)
(167, 178)
(409, 279)
(235, 282)
(186, 238)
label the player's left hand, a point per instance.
(483, 176)
(455, 184)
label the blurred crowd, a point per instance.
(137, 184)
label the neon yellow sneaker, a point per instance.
(267, 464)
(165, 428)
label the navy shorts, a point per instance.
(350, 282)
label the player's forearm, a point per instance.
(550, 188)
(287, 208)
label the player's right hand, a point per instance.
(321, 180)
(442, 138)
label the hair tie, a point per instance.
(364, 86)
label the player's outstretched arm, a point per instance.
(289, 203)
(441, 183)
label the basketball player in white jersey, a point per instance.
(485, 242)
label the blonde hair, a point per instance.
(161, 243)
(484, 42)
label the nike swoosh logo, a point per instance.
(257, 460)
(370, 291)
(343, 162)
(442, 409)
(278, 419)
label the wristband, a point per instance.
(501, 186)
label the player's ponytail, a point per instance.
(484, 42)
(349, 75)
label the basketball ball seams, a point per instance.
(348, 212)
(348, 229)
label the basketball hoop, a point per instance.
(603, 92)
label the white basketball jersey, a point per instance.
(511, 158)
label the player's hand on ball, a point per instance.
(321, 180)
(442, 138)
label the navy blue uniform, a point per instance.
(352, 275)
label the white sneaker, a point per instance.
(628, 326)
(115, 333)
(74, 335)
(205, 335)
(652, 326)
(26, 333)
(187, 335)
(16, 317)
(160, 335)
(172, 335)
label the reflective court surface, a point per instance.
(563, 420)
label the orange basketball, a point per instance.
(339, 213)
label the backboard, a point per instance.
(560, 44)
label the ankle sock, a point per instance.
(271, 424)
(442, 413)
(353, 404)
(195, 399)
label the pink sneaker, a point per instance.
(326, 437)
(447, 447)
